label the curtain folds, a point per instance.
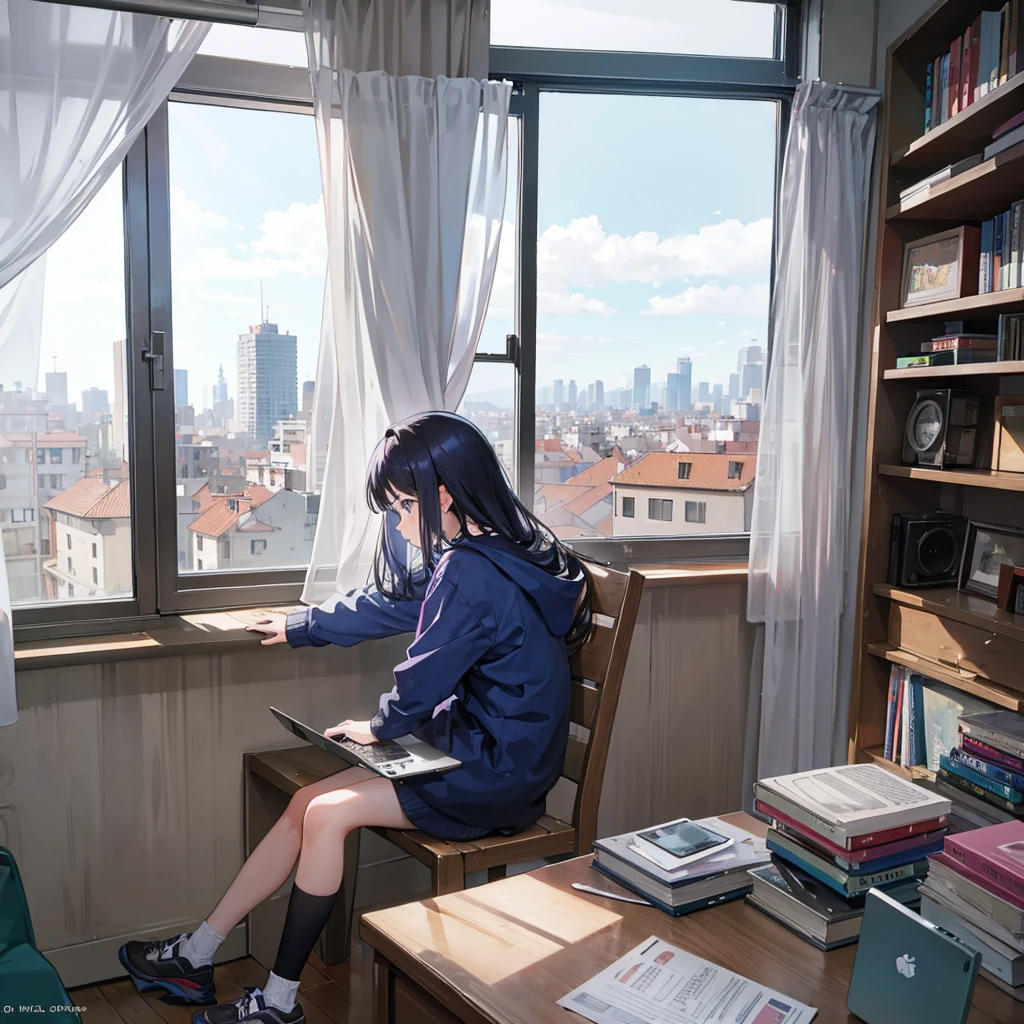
(414, 172)
(77, 85)
(802, 498)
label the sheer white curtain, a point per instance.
(414, 172)
(801, 496)
(77, 85)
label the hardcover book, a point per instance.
(990, 754)
(1003, 730)
(943, 706)
(963, 771)
(942, 894)
(948, 877)
(995, 772)
(980, 880)
(677, 909)
(997, 852)
(908, 851)
(972, 788)
(1004, 962)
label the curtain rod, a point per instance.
(216, 11)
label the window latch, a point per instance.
(513, 350)
(154, 355)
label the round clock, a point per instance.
(925, 425)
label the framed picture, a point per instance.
(987, 548)
(1008, 437)
(942, 266)
(1011, 588)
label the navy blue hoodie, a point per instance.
(486, 680)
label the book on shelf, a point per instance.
(688, 886)
(991, 754)
(853, 800)
(982, 793)
(991, 770)
(975, 342)
(997, 852)
(1008, 345)
(945, 85)
(943, 705)
(977, 809)
(1002, 960)
(949, 357)
(985, 257)
(928, 98)
(965, 73)
(945, 174)
(1003, 730)
(978, 780)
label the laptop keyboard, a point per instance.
(378, 753)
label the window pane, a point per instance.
(501, 310)
(264, 45)
(490, 403)
(65, 510)
(724, 28)
(653, 279)
(249, 256)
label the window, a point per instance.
(684, 470)
(695, 512)
(56, 456)
(199, 542)
(659, 508)
(55, 482)
(199, 564)
(71, 567)
(95, 575)
(94, 551)
(257, 547)
(23, 515)
(627, 507)
(68, 539)
(735, 470)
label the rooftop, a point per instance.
(93, 499)
(708, 472)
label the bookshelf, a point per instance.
(889, 619)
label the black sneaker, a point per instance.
(160, 965)
(251, 1007)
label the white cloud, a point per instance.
(188, 216)
(720, 342)
(582, 254)
(566, 304)
(712, 299)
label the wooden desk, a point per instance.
(503, 953)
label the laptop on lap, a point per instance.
(908, 970)
(394, 759)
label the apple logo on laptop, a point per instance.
(905, 965)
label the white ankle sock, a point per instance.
(200, 946)
(280, 993)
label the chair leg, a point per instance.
(336, 938)
(448, 874)
(496, 873)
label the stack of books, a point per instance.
(693, 885)
(986, 55)
(975, 890)
(999, 266)
(985, 770)
(848, 828)
(1009, 340)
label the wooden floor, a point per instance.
(341, 994)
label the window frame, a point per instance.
(701, 508)
(146, 223)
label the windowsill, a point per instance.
(214, 632)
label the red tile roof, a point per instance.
(217, 517)
(93, 499)
(708, 472)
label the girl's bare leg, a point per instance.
(270, 864)
(329, 817)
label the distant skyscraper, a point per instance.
(734, 385)
(220, 389)
(308, 390)
(716, 397)
(558, 394)
(673, 398)
(120, 418)
(95, 402)
(641, 386)
(685, 370)
(57, 388)
(703, 391)
(590, 396)
(598, 396)
(180, 389)
(755, 354)
(268, 380)
(573, 394)
(750, 378)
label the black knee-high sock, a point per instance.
(303, 924)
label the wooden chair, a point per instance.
(597, 670)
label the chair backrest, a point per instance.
(15, 923)
(597, 669)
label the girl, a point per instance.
(496, 603)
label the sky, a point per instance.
(654, 226)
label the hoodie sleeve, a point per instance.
(359, 615)
(450, 640)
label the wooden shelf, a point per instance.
(968, 132)
(975, 195)
(918, 773)
(989, 305)
(950, 603)
(975, 685)
(1004, 367)
(994, 480)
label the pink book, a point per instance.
(988, 753)
(978, 878)
(996, 851)
(867, 853)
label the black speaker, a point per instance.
(926, 549)
(941, 429)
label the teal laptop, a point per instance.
(908, 971)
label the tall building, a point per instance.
(598, 402)
(268, 379)
(703, 391)
(734, 385)
(590, 396)
(220, 389)
(559, 394)
(180, 388)
(572, 394)
(119, 443)
(685, 370)
(673, 392)
(57, 388)
(751, 378)
(95, 402)
(641, 386)
(717, 397)
(308, 390)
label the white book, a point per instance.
(939, 892)
(855, 799)
(1011, 138)
(1001, 960)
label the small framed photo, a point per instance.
(1008, 438)
(987, 548)
(1011, 588)
(942, 266)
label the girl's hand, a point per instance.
(274, 627)
(358, 732)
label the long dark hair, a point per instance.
(419, 454)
